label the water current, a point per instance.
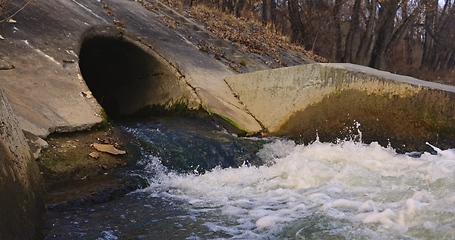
(204, 183)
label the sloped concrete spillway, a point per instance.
(128, 78)
(336, 101)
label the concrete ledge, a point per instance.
(335, 101)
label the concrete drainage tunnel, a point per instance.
(130, 79)
(124, 78)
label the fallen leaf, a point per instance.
(11, 20)
(108, 148)
(1, 37)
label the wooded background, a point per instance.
(410, 37)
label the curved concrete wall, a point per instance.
(48, 93)
(21, 189)
(331, 100)
(127, 77)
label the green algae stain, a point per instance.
(230, 121)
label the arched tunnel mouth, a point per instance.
(129, 79)
(122, 76)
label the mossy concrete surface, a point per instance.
(21, 185)
(344, 101)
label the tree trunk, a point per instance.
(369, 37)
(269, 11)
(338, 38)
(273, 10)
(430, 18)
(266, 11)
(239, 5)
(351, 50)
(387, 15)
(296, 21)
(399, 34)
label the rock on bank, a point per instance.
(21, 188)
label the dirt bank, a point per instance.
(68, 157)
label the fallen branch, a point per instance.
(3, 4)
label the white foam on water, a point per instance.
(348, 189)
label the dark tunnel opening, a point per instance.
(119, 74)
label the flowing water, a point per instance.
(205, 183)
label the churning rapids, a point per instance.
(280, 190)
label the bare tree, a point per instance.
(296, 21)
(431, 7)
(376, 33)
(337, 13)
(368, 41)
(351, 50)
(238, 6)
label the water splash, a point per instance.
(351, 185)
(351, 133)
(347, 190)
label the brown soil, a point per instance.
(67, 158)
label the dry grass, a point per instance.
(248, 34)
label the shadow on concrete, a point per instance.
(115, 70)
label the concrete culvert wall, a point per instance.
(127, 78)
(21, 184)
(338, 101)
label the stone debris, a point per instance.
(108, 148)
(87, 94)
(38, 144)
(4, 65)
(94, 155)
(71, 52)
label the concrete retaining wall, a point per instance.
(21, 189)
(336, 101)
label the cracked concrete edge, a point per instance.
(237, 117)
